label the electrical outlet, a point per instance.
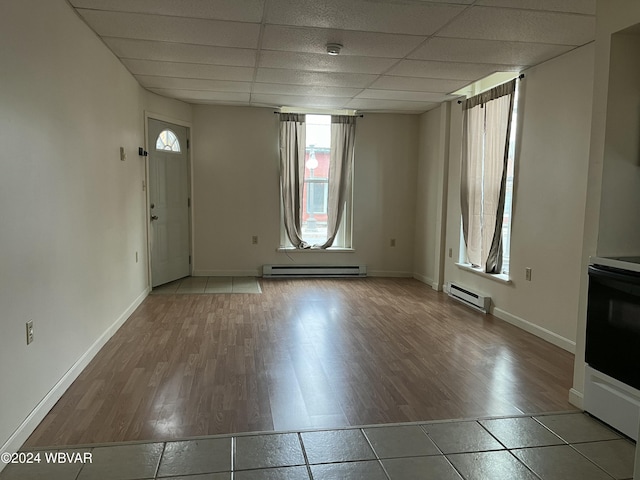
(29, 332)
(527, 274)
(254, 239)
(392, 243)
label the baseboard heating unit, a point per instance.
(310, 271)
(470, 298)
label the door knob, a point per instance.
(154, 217)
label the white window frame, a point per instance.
(344, 237)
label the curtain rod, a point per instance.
(520, 77)
(361, 115)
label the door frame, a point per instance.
(188, 125)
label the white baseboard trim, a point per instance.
(385, 273)
(34, 418)
(429, 281)
(423, 278)
(576, 398)
(227, 273)
(536, 330)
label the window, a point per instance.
(316, 178)
(316, 209)
(317, 191)
(487, 178)
(508, 202)
(168, 141)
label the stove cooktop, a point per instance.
(623, 263)
(626, 259)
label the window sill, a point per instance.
(315, 250)
(497, 277)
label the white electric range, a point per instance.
(612, 350)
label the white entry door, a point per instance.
(168, 202)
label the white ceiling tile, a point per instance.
(181, 52)
(237, 10)
(416, 84)
(448, 70)
(397, 17)
(318, 62)
(587, 7)
(188, 70)
(298, 77)
(312, 91)
(202, 95)
(173, 29)
(298, 101)
(192, 84)
(314, 40)
(404, 96)
(487, 51)
(511, 24)
(365, 104)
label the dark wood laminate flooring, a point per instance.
(304, 354)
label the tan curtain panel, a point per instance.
(343, 135)
(485, 152)
(471, 183)
(292, 151)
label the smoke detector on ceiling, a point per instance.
(333, 48)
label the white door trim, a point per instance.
(163, 118)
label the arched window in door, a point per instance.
(168, 141)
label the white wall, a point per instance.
(72, 214)
(431, 196)
(384, 203)
(426, 198)
(168, 109)
(619, 230)
(235, 190)
(549, 200)
(612, 17)
(236, 193)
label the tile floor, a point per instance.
(557, 446)
(193, 285)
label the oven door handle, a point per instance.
(599, 271)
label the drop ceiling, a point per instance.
(398, 55)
